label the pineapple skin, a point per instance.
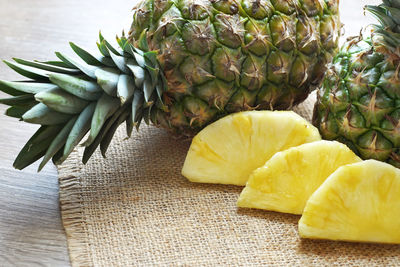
(225, 56)
(358, 103)
(359, 202)
(185, 65)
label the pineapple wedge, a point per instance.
(289, 178)
(359, 202)
(228, 150)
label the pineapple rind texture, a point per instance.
(226, 56)
(228, 150)
(289, 178)
(359, 202)
(358, 103)
(185, 65)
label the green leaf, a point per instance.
(101, 38)
(380, 14)
(139, 119)
(111, 48)
(79, 130)
(120, 62)
(160, 90)
(47, 67)
(139, 74)
(61, 64)
(106, 140)
(129, 125)
(24, 87)
(41, 114)
(147, 115)
(17, 100)
(58, 142)
(102, 46)
(85, 56)
(103, 49)
(125, 88)
(152, 57)
(105, 108)
(16, 112)
(61, 101)
(137, 106)
(65, 60)
(153, 74)
(393, 3)
(29, 72)
(108, 78)
(139, 59)
(89, 150)
(55, 159)
(87, 90)
(36, 147)
(122, 42)
(148, 89)
(395, 14)
(91, 59)
(89, 70)
(143, 45)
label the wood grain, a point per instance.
(31, 233)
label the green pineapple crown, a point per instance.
(71, 97)
(185, 64)
(387, 34)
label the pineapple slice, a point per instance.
(289, 178)
(228, 150)
(359, 202)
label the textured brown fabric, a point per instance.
(135, 209)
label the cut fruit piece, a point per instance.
(289, 178)
(359, 202)
(227, 151)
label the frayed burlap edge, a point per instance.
(71, 198)
(72, 214)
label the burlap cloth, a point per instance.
(135, 209)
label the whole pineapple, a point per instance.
(359, 103)
(185, 64)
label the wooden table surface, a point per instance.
(31, 233)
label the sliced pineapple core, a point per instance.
(228, 150)
(288, 179)
(359, 202)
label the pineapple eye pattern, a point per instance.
(358, 102)
(183, 65)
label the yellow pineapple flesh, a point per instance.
(227, 151)
(288, 179)
(359, 202)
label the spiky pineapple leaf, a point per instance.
(29, 72)
(105, 108)
(58, 142)
(78, 131)
(44, 66)
(36, 147)
(85, 56)
(80, 95)
(89, 70)
(59, 64)
(20, 88)
(17, 100)
(81, 88)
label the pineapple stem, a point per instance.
(89, 94)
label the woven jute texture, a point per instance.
(135, 209)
